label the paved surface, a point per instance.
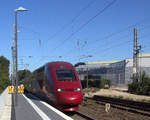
(3, 98)
(6, 112)
(31, 108)
(23, 110)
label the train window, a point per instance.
(65, 75)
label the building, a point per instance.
(118, 72)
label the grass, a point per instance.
(143, 100)
(96, 89)
(120, 97)
(89, 102)
(129, 98)
(109, 95)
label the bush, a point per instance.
(4, 73)
(140, 87)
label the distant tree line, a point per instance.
(4, 73)
(79, 63)
(141, 86)
(22, 75)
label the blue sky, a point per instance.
(53, 28)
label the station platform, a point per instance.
(30, 107)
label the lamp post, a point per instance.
(20, 9)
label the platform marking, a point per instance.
(57, 111)
(38, 110)
(54, 109)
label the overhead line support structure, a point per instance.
(136, 49)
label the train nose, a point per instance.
(76, 99)
(70, 99)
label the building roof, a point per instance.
(115, 61)
(144, 55)
(104, 62)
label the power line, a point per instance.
(117, 45)
(73, 19)
(120, 31)
(83, 25)
(127, 35)
(106, 40)
(116, 33)
(35, 32)
(29, 29)
(43, 58)
(120, 44)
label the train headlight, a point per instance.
(77, 89)
(60, 90)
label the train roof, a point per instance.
(54, 63)
(59, 63)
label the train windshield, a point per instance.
(65, 75)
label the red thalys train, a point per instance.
(57, 83)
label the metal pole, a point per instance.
(16, 58)
(135, 65)
(137, 53)
(13, 57)
(12, 49)
(87, 78)
(139, 57)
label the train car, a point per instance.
(58, 84)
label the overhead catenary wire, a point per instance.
(103, 49)
(44, 58)
(123, 36)
(120, 44)
(114, 46)
(65, 26)
(98, 40)
(31, 30)
(85, 24)
(73, 20)
(39, 41)
(107, 40)
(120, 31)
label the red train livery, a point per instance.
(58, 84)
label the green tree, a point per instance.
(4, 73)
(22, 74)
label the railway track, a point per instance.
(85, 117)
(78, 115)
(94, 109)
(127, 105)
